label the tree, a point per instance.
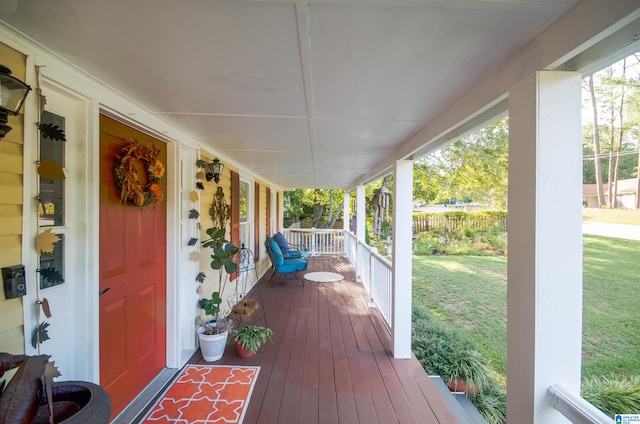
(293, 205)
(320, 207)
(381, 206)
(474, 168)
(596, 143)
(613, 103)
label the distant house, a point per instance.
(625, 198)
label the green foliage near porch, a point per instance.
(469, 292)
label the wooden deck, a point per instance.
(330, 360)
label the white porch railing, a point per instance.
(576, 408)
(375, 272)
(372, 269)
(318, 241)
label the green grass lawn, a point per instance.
(470, 292)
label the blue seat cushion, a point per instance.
(278, 257)
(293, 264)
(286, 248)
(282, 242)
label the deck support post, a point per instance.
(361, 211)
(346, 212)
(402, 259)
(544, 294)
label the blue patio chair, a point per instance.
(282, 265)
(291, 250)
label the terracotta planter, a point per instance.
(242, 352)
(462, 386)
(212, 346)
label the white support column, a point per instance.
(544, 295)
(402, 251)
(346, 212)
(360, 226)
(346, 219)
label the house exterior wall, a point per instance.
(17, 240)
(627, 201)
(11, 203)
(259, 253)
(211, 282)
(260, 212)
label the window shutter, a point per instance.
(268, 223)
(235, 214)
(277, 212)
(256, 222)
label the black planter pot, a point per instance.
(76, 402)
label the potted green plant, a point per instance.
(213, 330)
(468, 372)
(249, 339)
(223, 251)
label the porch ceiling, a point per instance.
(314, 94)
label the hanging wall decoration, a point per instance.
(195, 215)
(51, 131)
(133, 188)
(220, 210)
(50, 169)
(46, 240)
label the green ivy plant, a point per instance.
(251, 337)
(223, 250)
(211, 306)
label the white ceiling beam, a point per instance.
(304, 41)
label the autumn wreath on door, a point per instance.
(132, 160)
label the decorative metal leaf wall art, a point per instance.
(40, 334)
(51, 275)
(45, 241)
(50, 169)
(52, 132)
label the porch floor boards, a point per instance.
(330, 359)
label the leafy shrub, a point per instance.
(497, 239)
(428, 244)
(484, 242)
(469, 365)
(491, 403)
(451, 354)
(613, 395)
(444, 351)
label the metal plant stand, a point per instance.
(244, 300)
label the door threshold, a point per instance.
(134, 412)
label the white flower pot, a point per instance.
(212, 346)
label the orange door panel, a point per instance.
(132, 277)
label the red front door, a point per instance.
(132, 276)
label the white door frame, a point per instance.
(72, 321)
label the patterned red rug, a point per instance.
(205, 394)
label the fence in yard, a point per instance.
(459, 220)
